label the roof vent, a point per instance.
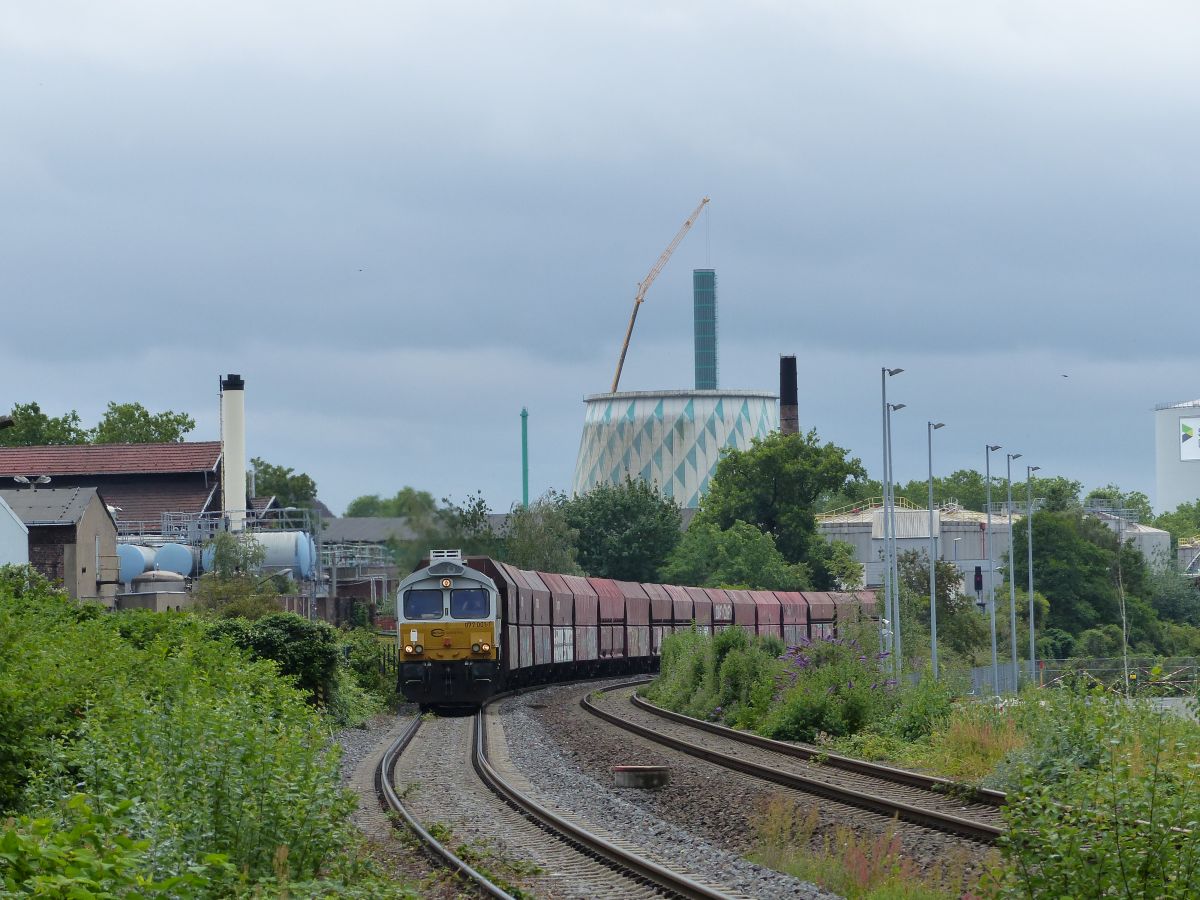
(455, 555)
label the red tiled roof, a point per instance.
(111, 459)
(145, 503)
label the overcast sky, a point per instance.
(402, 222)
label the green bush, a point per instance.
(1110, 830)
(360, 650)
(921, 707)
(304, 649)
(193, 769)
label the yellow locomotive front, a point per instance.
(448, 630)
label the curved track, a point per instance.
(567, 847)
(912, 797)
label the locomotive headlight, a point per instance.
(446, 582)
(485, 647)
(418, 649)
(476, 648)
(408, 648)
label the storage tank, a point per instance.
(291, 550)
(134, 560)
(1176, 454)
(159, 583)
(175, 558)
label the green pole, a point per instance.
(524, 457)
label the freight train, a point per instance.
(470, 627)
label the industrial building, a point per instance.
(72, 538)
(960, 536)
(671, 439)
(1176, 454)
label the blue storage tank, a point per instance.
(175, 558)
(294, 551)
(134, 560)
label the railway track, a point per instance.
(573, 860)
(911, 797)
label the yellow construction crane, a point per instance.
(645, 283)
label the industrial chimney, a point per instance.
(233, 450)
(704, 303)
(789, 413)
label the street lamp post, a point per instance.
(1029, 470)
(888, 587)
(897, 637)
(930, 428)
(987, 536)
(1012, 576)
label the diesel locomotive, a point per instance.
(470, 627)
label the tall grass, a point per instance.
(856, 866)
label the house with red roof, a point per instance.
(139, 482)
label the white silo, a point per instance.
(672, 439)
(1176, 454)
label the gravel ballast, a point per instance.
(569, 756)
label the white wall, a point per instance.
(14, 537)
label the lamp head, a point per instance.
(936, 425)
(993, 447)
(20, 479)
(896, 406)
(1033, 469)
(1014, 455)
(892, 371)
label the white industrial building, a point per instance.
(672, 439)
(960, 536)
(1176, 454)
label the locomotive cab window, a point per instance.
(469, 603)
(422, 603)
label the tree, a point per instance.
(289, 488)
(132, 423)
(775, 486)
(961, 626)
(408, 503)
(846, 570)
(33, 428)
(740, 556)
(539, 537)
(232, 587)
(626, 531)
(1183, 522)
(464, 526)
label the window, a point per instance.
(470, 603)
(422, 604)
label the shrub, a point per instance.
(827, 687)
(306, 650)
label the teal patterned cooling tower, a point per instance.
(671, 439)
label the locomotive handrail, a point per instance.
(384, 774)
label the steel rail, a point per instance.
(390, 800)
(931, 783)
(623, 860)
(978, 831)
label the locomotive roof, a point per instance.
(444, 568)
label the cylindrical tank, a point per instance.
(175, 558)
(158, 583)
(134, 560)
(291, 550)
